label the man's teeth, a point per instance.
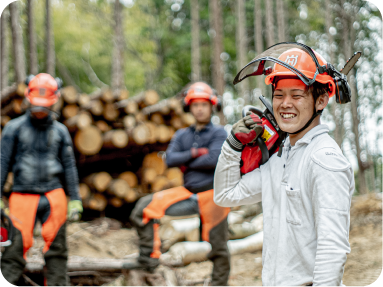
(288, 116)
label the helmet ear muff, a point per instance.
(28, 79)
(185, 106)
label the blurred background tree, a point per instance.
(165, 44)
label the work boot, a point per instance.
(135, 264)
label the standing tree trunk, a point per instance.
(49, 39)
(216, 25)
(33, 68)
(270, 35)
(281, 21)
(338, 131)
(258, 36)
(117, 82)
(241, 41)
(195, 46)
(17, 39)
(4, 50)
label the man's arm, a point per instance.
(69, 164)
(175, 156)
(230, 189)
(332, 183)
(8, 142)
(209, 160)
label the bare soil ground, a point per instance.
(104, 238)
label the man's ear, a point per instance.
(322, 101)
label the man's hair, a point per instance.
(318, 89)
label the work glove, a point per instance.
(3, 207)
(197, 152)
(74, 210)
(245, 131)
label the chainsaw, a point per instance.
(257, 153)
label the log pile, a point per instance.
(119, 141)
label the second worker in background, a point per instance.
(196, 150)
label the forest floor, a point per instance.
(104, 238)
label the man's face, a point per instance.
(201, 111)
(39, 112)
(293, 105)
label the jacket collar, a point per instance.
(309, 136)
(206, 127)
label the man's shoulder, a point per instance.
(15, 124)
(326, 153)
(61, 128)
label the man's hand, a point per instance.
(197, 152)
(245, 131)
(74, 210)
(2, 205)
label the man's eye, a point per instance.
(277, 95)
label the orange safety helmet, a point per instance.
(43, 90)
(303, 62)
(201, 91)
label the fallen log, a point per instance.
(118, 187)
(154, 160)
(69, 95)
(110, 113)
(84, 191)
(115, 139)
(97, 202)
(83, 100)
(78, 122)
(103, 126)
(183, 253)
(88, 141)
(95, 107)
(160, 183)
(140, 134)
(129, 121)
(98, 181)
(9, 92)
(70, 111)
(130, 178)
(13, 109)
(175, 176)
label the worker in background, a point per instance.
(306, 188)
(195, 149)
(38, 150)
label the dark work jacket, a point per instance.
(199, 174)
(40, 155)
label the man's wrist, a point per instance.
(234, 143)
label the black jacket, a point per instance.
(199, 174)
(40, 155)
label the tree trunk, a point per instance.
(117, 82)
(338, 131)
(241, 41)
(195, 46)
(33, 68)
(4, 49)
(17, 39)
(270, 35)
(50, 40)
(258, 36)
(216, 28)
(281, 21)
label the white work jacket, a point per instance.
(306, 197)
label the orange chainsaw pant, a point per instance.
(25, 209)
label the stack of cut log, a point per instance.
(104, 127)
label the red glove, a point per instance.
(197, 152)
(245, 131)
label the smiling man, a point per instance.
(305, 191)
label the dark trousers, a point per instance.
(177, 202)
(25, 210)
